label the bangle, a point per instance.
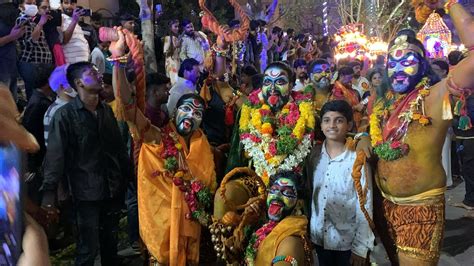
(360, 135)
(288, 259)
(449, 4)
(219, 52)
(122, 59)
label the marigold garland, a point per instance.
(276, 141)
(394, 149)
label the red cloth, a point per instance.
(58, 53)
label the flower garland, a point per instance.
(395, 148)
(255, 241)
(276, 141)
(197, 195)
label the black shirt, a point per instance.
(33, 122)
(213, 122)
(86, 148)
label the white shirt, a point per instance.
(299, 86)
(194, 48)
(98, 59)
(180, 88)
(48, 116)
(77, 49)
(337, 222)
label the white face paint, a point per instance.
(189, 116)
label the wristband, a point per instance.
(292, 261)
(360, 135)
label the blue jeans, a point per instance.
(132, 213)
(97, 224)
(29, 74)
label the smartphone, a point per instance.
(158, 8)
(86, 12)
(11, 215)
(22, 20)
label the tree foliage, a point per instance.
(382, 18)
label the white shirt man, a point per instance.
(77, 48)
(337, 222)
(188, 77)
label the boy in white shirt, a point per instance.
(339, 229)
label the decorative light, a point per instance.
(435, 36)
(351, 42)
(377, 47)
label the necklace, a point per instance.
(391, 117)
(197, 196)
(276, 142)
(255, 241)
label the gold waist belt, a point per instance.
(422, 198)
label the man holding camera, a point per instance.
(75, 45)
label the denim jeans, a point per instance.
(29, 74)
(97, 224)
(132, 213)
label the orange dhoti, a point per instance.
(169, 236)
(417, 228)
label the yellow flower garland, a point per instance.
(244, 117)
(306, 120)
(375, 129)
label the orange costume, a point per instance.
(289, 226)
(169, 236)
(340, 92)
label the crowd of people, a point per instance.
(262, 150)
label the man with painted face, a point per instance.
(277, 84)
(283, 237)
(273, 123)
(320, 75)
(175, 163)
(410, 175)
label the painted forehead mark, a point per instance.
(274, 72)
(194, 103)
(402, 54)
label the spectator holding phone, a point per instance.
(51, 31)
(9, 33)
(75, 45)
(90, 33)
(34, 50)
